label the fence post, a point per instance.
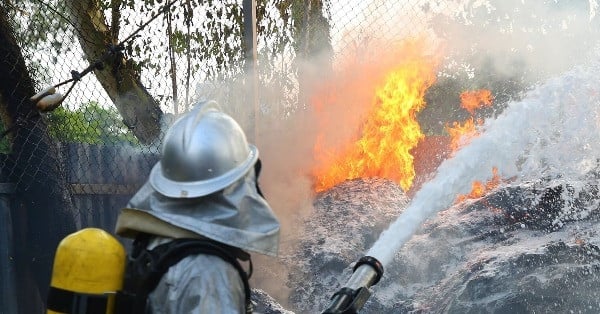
(8, 290)
(250, 42)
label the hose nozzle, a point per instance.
(355, 293)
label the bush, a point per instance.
(89, 123)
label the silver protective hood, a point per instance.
(204, 151)
(238, 216)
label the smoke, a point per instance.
(329, 113)
(518, 37)
(539, 38)
(530, 40)
(535, 38)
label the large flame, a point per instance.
(389, 133)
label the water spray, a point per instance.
(355, 293)
(538, 134)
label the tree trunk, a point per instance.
(42, 214)
(140, 112)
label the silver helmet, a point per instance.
(203, 152)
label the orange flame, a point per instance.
(389, 133)
(471, 100)
(461, 134)
(479, 189)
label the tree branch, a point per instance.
(119, 77)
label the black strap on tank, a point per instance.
(67, 301)
(145, 268)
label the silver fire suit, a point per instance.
(237, 216)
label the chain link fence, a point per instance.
(150, 61)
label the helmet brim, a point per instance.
(193, 189)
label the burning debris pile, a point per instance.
(524, 248)
(521, 248)
(527, 241)
(265, 304)
(507, 224)
(347, 220)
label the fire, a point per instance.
(389, 132)
(461, 134)
(471, 100)
(479, 189)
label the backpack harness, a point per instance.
(145, 268)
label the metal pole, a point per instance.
(249, 10)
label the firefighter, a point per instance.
(204, 187)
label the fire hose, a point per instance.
(354, 294)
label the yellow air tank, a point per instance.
(88, 270)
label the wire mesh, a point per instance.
(77, 165)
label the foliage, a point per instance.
(310, 27)
(206, 31)
(43, 25)
(4, 143)
(34, 22)
(198, 41)
(89, 123)
(209, 36)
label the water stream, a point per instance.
(553, 132)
